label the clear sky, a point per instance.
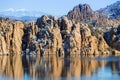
(55, 7)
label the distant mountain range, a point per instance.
(21, 14)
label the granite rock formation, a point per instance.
(47, 39)
(11, 36)
(82, 12)
(49, 35)
(78, 38)
(71, 36)
(103, 17)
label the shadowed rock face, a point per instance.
(113, 37)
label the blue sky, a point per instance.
(55, 7)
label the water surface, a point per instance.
(34, 67)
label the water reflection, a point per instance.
(52, 67)
(11, 66)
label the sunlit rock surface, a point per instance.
(49, 35)
(11, 36)
(71, 36)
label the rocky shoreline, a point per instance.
(49, 35)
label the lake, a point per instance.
(34, 67)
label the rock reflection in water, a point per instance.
(51, 67)
(11, 66)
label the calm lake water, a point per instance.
(34, 67)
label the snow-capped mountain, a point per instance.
(112, 11)
(21, 14)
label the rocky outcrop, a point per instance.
(11, 36)
(16, 42)
(48, 39)
(49, 35)
(82, 12)
(103, 17)
(89, 42)
(78, 38)
(71, 35)
(92, 44)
